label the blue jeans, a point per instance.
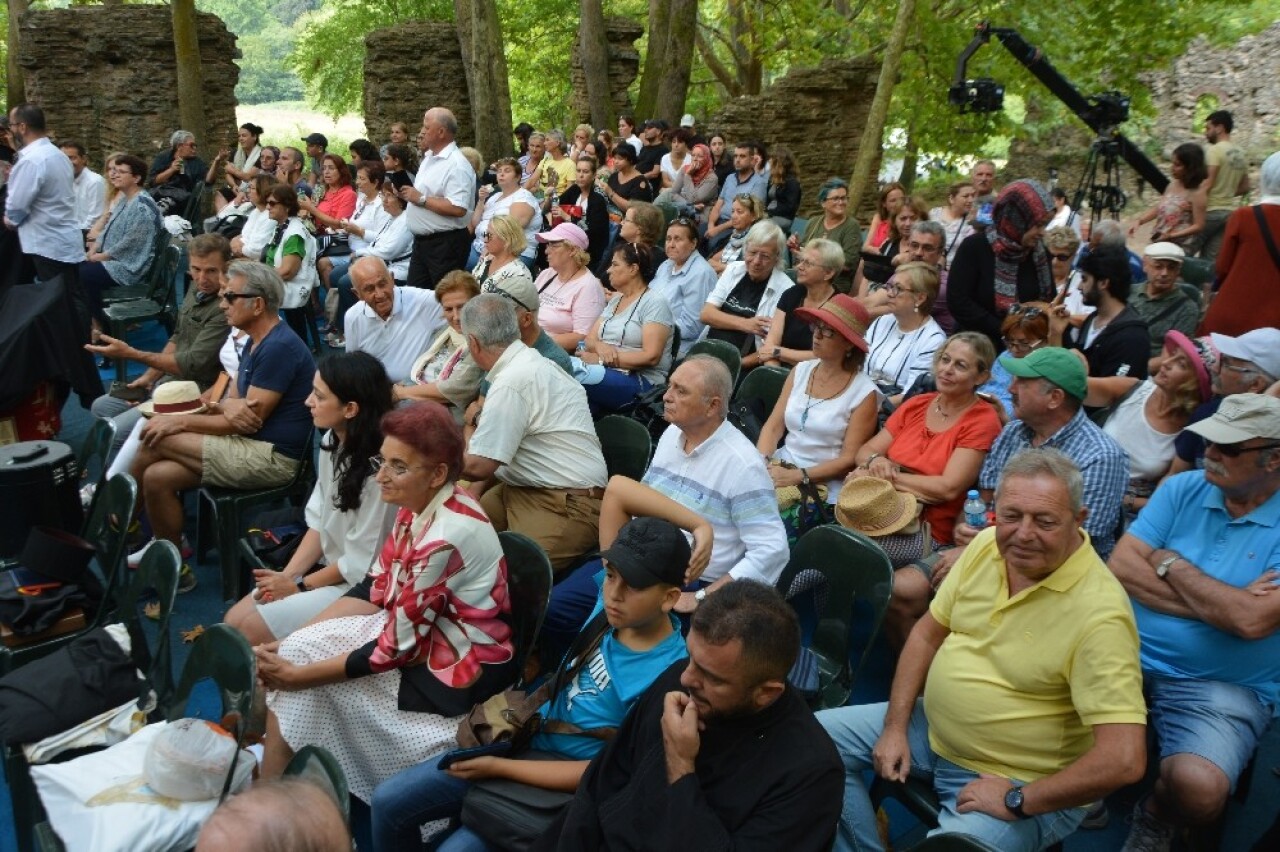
(419, 795)
(617, 389)
(1219, 722)
(855, 731)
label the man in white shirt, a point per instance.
(532, 453)
(440, 202)
(41, 200)
(91, 187)
(393, 324)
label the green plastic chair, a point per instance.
(765, 384)
(529, 580)
(726, 352)
(1197, 271)
(315, 764)
(855, 569)
(96, 450)
(626, 445)
(147, 289)
(156, 306)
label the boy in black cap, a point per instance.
(630, 639)
(317, 145)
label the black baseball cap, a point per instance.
(316, 139)
(649, 551)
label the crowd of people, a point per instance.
(1120, 427)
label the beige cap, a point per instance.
(1240, 417)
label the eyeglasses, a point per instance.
(804, 261)
(1028, 311)
(550, 244)
(398, 469)
(838, 198)
(761, 254)
(490, 287)
(1239, 368)
(914, 245)
(1232, 451)
(230, 296)
(821, 330)
(1021, 345)
(892, 290)
(1062, 257)
(271, 202)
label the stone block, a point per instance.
(410, 68)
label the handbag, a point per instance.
(332, 245)
(510, 815)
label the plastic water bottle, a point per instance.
(975, 511)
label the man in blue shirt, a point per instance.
(1200, 565)
(743, 179)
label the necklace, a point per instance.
(937, 406)
(810, 400)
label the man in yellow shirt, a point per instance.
(1228, 179)
(1028, 663)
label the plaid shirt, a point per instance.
(1103, 463)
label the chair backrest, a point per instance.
(317, 765)
(626, 445)
(95, 453)
(763, 383)
(158, 572)
(726, 352)
(107, 529)
(155, 271)
(529, 580)
(1197, 271)
(855, 568)
(167, 272)
(194, 204)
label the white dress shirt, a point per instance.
(42, 203)
(448, 175)
(396, 341)
(91, 197)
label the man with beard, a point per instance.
(41, 202)
(1228, 180)
(1114, 338)
(720, 752)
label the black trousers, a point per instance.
(47, 269)
(436, 255)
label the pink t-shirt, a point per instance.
(569, 306)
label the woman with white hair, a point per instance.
(740, 308)
(1248, 265)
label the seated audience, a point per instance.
(652, 151)
(834, 224)
(243, 165)
(722, 747)
(1062, 212)
(744, 179)
(721, 155)
(685, 280)
(292, 253)
(1063, 244)
(956, 216)
(899, 234)
(532, 451)
(346, 519)
(259, 227)
(1003, 265)
(1024, 330)
(694, 188)
(288, 814)
(397, 158)
(290, 168)
(783, 200)
(557, 169)
(381, 676)
(391, 323)
(448, 350)
(583, 204)
(180, 167)
(746, 211)
(1199, 567)
(1107, 233)
(630, 640)
(362, 227)
(1161, 303)
(123, 254)
(740, 309)
(1114, 337)
(676, 161)
(926, 245)
(393, 245)
(632, 337)
(253, 438)
(90, 187)
(339, 199)
(827, 408)
(500, 261)
(570, 297)
(362, 151)
(1015, 742)
(903, 341)
(642, 224)
(506, 198)
(268, 160)
(892, 197)
(790, 338)
(531, 162)
(582, 137)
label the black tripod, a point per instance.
(1107, 196)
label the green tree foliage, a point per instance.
(265, 35)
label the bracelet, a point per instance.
(870, 459)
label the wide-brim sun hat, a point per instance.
(181, 397)
(1200, 353)
(845, 315)
(874, 507)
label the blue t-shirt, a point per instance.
(1187, 514)
(604, 690)
(281, 363)
(1188, 445)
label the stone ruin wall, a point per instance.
(400, 86)
(624, 68)
(107, 76)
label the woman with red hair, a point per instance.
(380, 677)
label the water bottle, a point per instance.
(975, 511)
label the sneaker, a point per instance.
(1148, 834)
(186, 579)
(135, 558)
(1097, 816)
(335, 340)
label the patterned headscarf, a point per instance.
(1021, 206)
(699, 175)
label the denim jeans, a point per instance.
(855, 731)
(617, 389)
(419, 795)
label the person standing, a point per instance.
(41, 204)
(1228, 178)
(440, 202)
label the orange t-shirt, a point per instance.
(927, 453)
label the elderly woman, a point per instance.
(695, 187)
(741, 307)
(258, 227)
(903, 341)
(346, 520)
(531, 161)
(123, 255)
(570, 297)
(790, 339)
(684, 279)
(888, 204)
(1179, 214)
(1063, 245)
(745, 211)
(933, 447)
(339, 201)
(783, 202)
(828, 406)
(380, 677)
(633, 335)
(268, 159)
(837, 225)
(450, 346)
(393, 243)
(508, 198)
(1248, 271)
(244, 164)
(956, 216)
(292, 252)
(1004, 265)
(1024, 330)
(584, 205)
(503, 244)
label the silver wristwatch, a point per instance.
(1162, 570)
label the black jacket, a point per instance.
(971, 288)
(1120, 349)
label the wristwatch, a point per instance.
(302, 583)
(1165, 564)
(777, 353)
(1013, 801)
(700, 595)
(804, 476)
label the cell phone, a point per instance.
(451, 757)
(400, 179)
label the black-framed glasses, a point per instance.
(230, 296)
(837, 198)
(490, 287)
(1028, 311)
(1232, 451)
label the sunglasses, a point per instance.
(231, 296)
(1233, 451)
(1062, 257)
(490, 287)
(1027, 311)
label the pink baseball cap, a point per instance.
(565, 232)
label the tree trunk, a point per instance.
(674, 84)
(873, 132)
(655, 58)
(480, 35)
(186, 49)
(593, 49)
(17, 87)
(910, 159)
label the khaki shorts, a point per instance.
(234, 461)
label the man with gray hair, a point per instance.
(255, 437)
(927, 244)
(1109, 232)
(532, 453)
(1019, 693)
(439, 203)
(179, 167)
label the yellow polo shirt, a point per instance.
(1018, 684)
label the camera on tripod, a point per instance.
(1108, 109)
(980, 95)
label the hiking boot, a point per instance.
(1148, 834)
(186, 579)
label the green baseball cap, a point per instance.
(1060, 366)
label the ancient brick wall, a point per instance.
(410, 68)
(817, 112)
(624, 67)
(106, 75)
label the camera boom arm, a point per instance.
(1033, 59)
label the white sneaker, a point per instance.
(135, 559)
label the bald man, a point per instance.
(439, 202)
(393, 324)
(289, 815)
